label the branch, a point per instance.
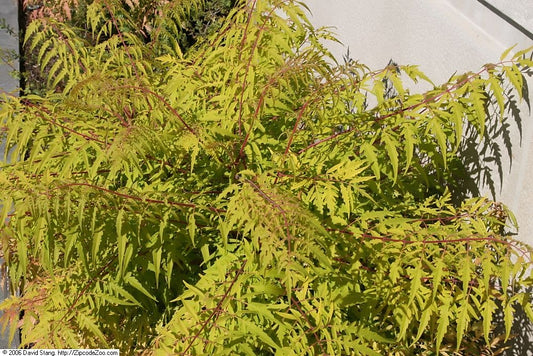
(278, 207)
(471, 238)
(168, 106)
(140, 199)
(218, 309)
(408, 108)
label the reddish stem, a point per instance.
(120, 35)
(278, 207)
(218, 309)
(102, 272)
(254, 46)
(168, 106)
(140, 199)
(402, 110)
(312, 328)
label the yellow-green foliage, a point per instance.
(249, 197)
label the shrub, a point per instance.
(247, 196)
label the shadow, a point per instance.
(520, 341)
(484, 157)
(481, 165)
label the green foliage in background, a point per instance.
(178, 24)
(246, 196)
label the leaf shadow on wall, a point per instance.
(519, 343)
(481, 167)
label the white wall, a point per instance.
(442, 36)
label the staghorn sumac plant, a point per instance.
(248, 197)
